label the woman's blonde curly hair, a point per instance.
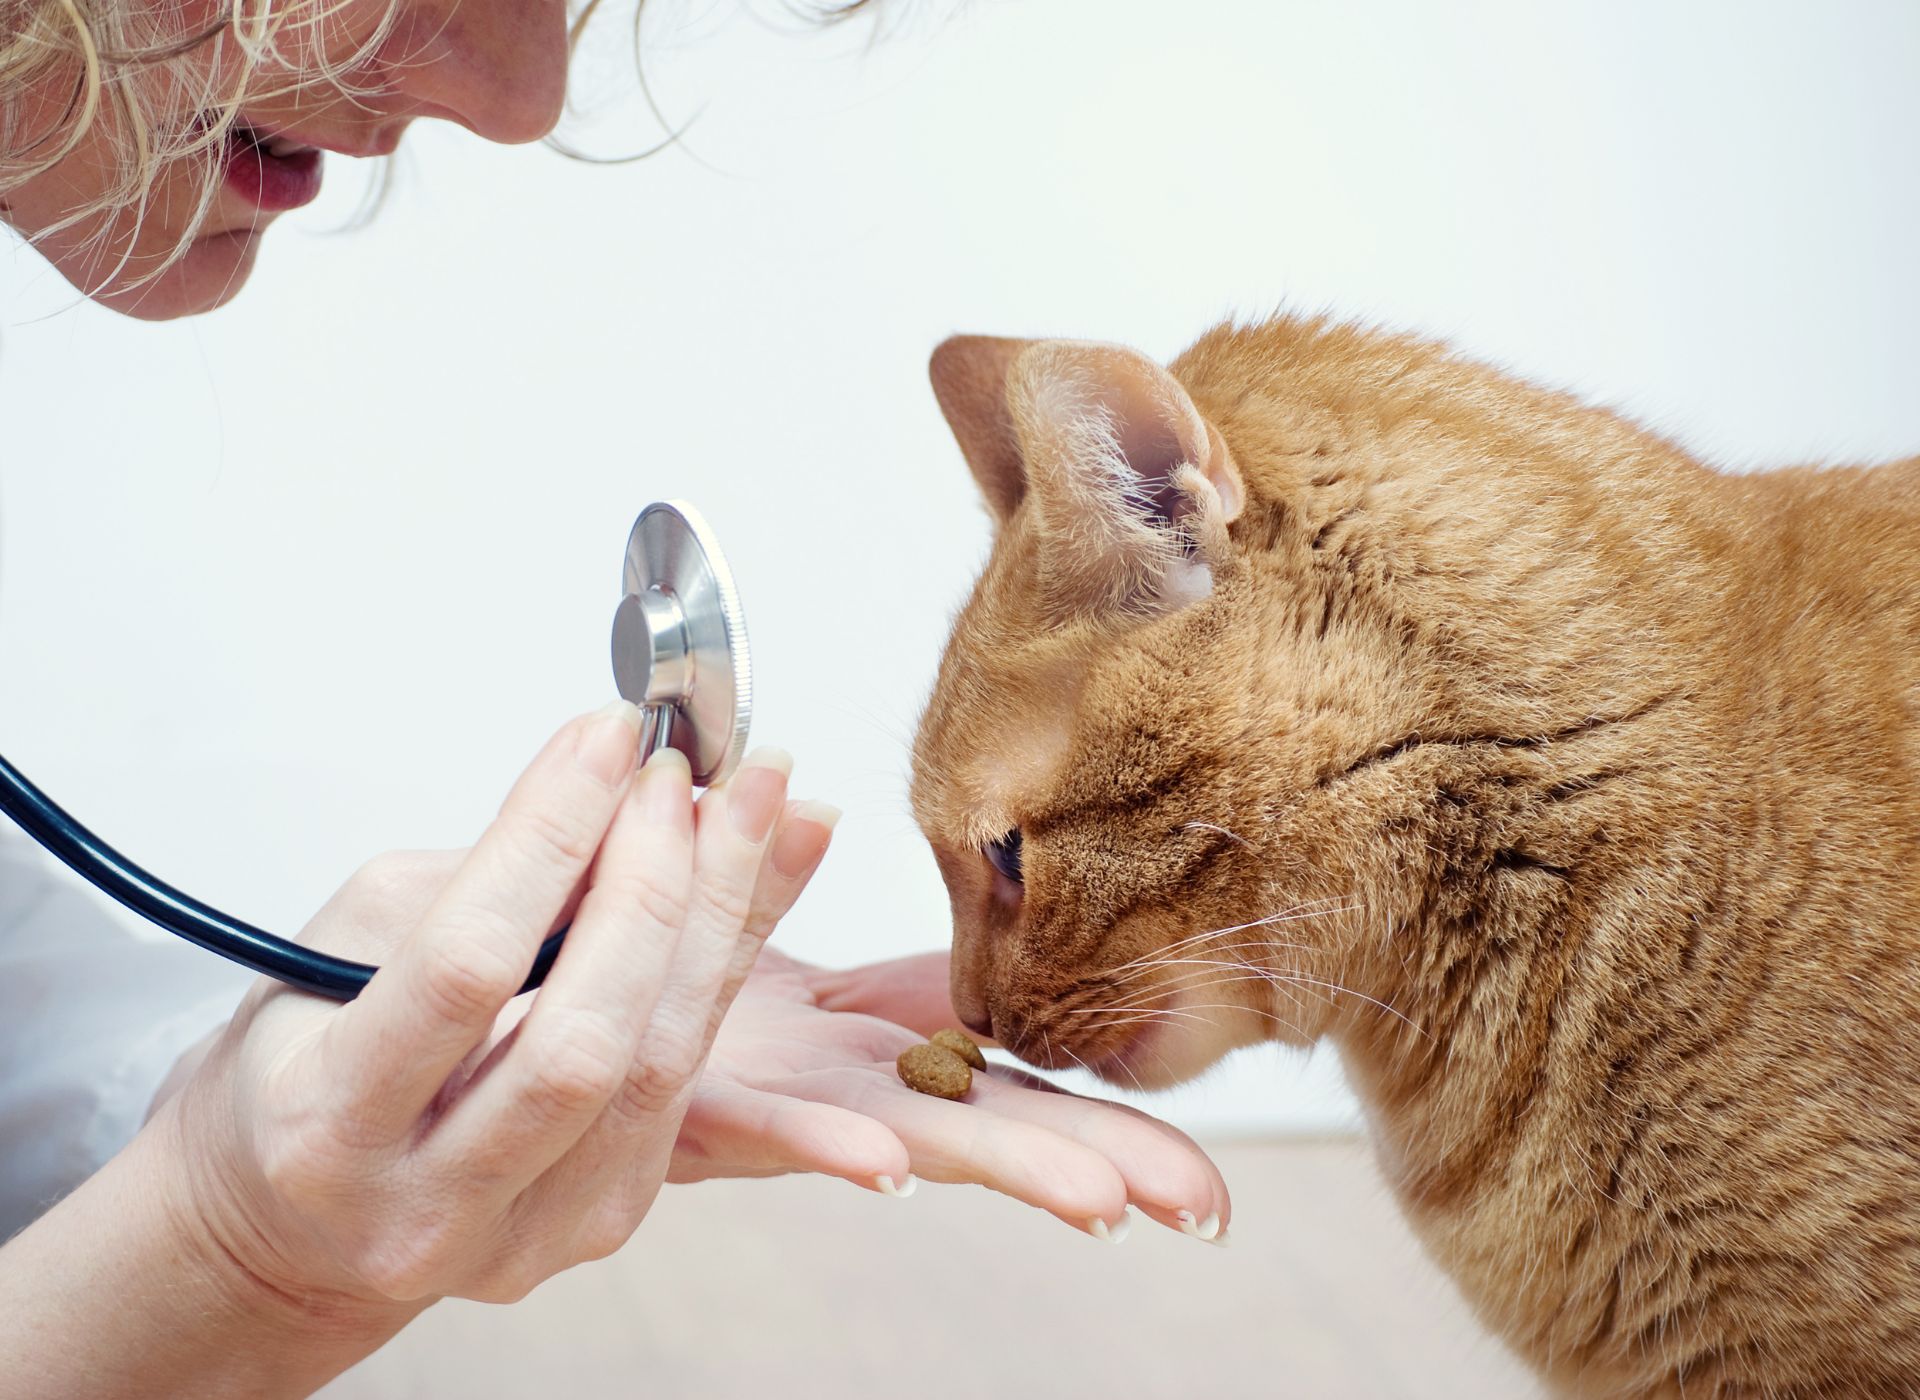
(119, 62)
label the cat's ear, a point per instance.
(969, 374)
(1131, 489)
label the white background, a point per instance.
(314, 576)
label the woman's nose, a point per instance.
(497, 67)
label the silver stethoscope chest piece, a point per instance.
(680, 642)
(679, 652)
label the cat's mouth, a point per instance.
(1051, 1047)
(1125, 1052)
(1129, 1062)
(1155, 1038)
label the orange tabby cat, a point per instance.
(1329, 685)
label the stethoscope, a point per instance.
(679, 652)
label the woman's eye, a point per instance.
(1004, 855)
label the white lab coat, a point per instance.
(92, 1016)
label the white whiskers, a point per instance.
(1198, 963)
(1232, 836)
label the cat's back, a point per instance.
(1845, 536)
(1827, 595)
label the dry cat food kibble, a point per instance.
(961, 1046)
(936, 1070)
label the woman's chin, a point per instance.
(207, 276)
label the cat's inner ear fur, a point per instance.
(1100, 454)
(1130, 489)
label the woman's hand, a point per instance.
(405, 1146)
(802, 1079)
(329, 1170)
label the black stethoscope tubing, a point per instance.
(94, 861)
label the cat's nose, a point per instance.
(968, 980)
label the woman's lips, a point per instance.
(271, 174)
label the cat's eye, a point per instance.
(1004, 855)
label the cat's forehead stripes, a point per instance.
(1124, 792)
(998, 730)
(1006, 784)
(1005, 741)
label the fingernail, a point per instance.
(884, 1184)
(1199, 1229)
(756, 792)
(666, 788)
(1115, 1233)
(804, 839)
(607, 742)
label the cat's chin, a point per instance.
(1160, 1056)
(1132, 1051)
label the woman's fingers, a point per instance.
(734, 826)
(1080, 1159)
(1165, 1170)
(806, 830)
(960, 1142)
(577, 1046)
(798, 845)
(732, 1130)
(632, 1138)
(911, 992)
(389, 1052)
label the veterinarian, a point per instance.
(221, 1201)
